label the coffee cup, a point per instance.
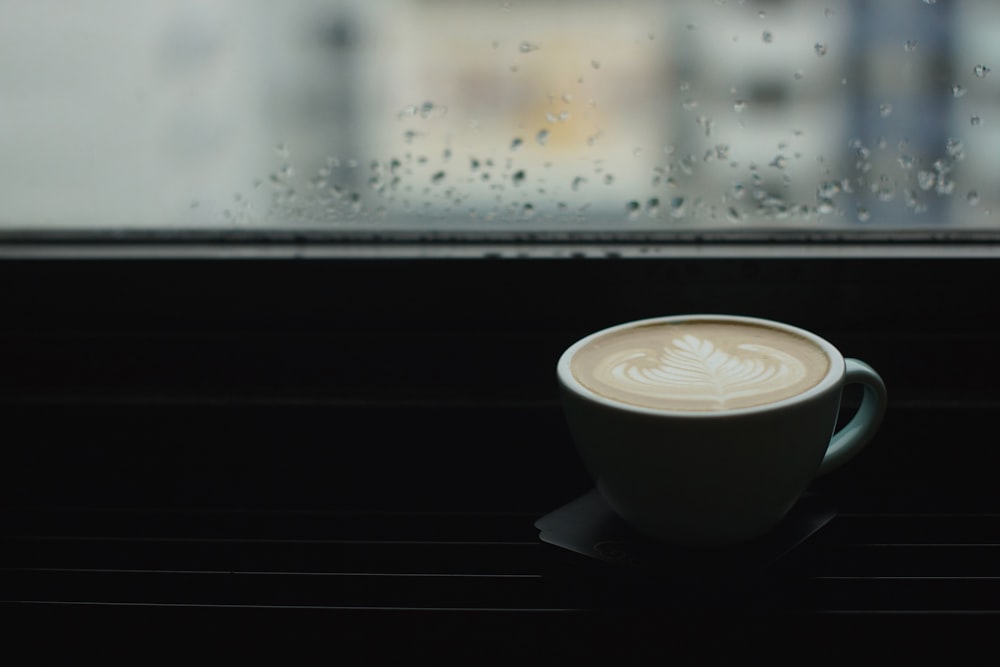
(705, 430)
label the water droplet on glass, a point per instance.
(820, 48)
(596, 64)
(563, 116)
(437, 177)
(677, 207)
(551, 117)
(528, 210)
(929, 2)
(767, 36)
(863, 214)
(637, 152)
(981, 71)
(827, 189)
(910, 45)
(515, 143)
(633, 208)
(518, 177)
(798, 75)
(975, 120)
(542, 137)
(955, 149)
(653, 207)
(958, 90)
(926, 179)
(945, 186)
(609, 179)
(738, 191)
(528, 47)
(826, 206)
(577, 182)
(972, 198)
(739, 106)
(732, 215)
(885, 110)
(906, 162)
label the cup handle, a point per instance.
(849, 440)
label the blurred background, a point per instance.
(489, 114)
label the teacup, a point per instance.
(704, 430)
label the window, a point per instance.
(622, 116)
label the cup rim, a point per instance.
(834, 374)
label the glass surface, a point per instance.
(622, 115)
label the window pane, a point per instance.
(485, 114)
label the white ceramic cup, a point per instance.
(721, 477)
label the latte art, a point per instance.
(700, 365)
(694, 369)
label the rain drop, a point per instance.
(596, 64)
(926, 179)
(518, 177)
(885, 110)
(633, 208)
(975, 120)
(864, 215)
(955, 149)
(767, 37)
(820, 48)
(542, 137)
(739, 106)
(826, 206)
(528, 47)
(577, 182)
(910, 45)
(515, 143)
(677, 207)
(608, 179)
(981, 71)
(958, 90)
(437, 177)
(972, 198)
(653, 207)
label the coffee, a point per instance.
(700, 365)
